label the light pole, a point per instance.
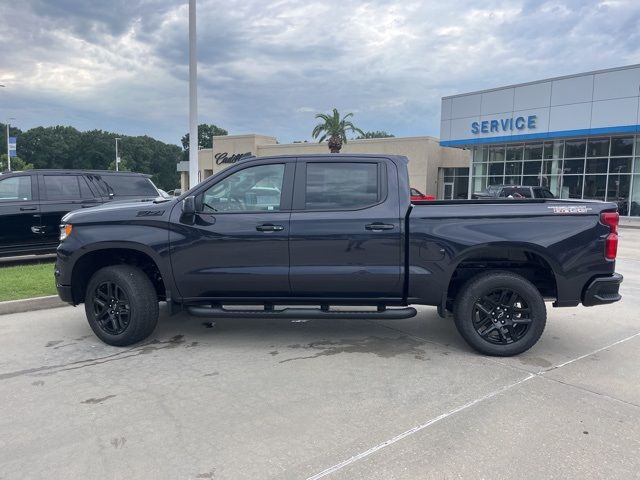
(117, 157)
(9, 144)
(193, 98)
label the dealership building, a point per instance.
(578, 135)
(433, 169)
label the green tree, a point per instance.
(375, 134)
(205, 136)
(16, 163)
(335, 129)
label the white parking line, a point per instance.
(422, 426)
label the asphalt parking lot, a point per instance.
(336, 400)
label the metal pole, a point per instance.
(193, 98)
(117, 158)
(8, 151)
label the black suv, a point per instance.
(33, 202)
(513, 191)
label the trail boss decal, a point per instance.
(570, 209)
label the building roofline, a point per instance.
(544, 80)
(244, 135)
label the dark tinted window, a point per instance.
(514, 192)
(15, 189)
(130, 185)
(542, 193)
(341, 185)
(62, 187)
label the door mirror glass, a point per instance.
(189, 206)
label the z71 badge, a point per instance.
(570, 209)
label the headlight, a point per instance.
(65, 231)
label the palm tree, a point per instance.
(335, 128)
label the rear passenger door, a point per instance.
(61, 193)
(19, 214)
(345, 229)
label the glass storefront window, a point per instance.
(495, 181)
(620, 165)
(635, 197)
(514, 153)
(480, 154)
(530, 180)
(496, 169)
(621, 146)
(513, 168)
(496, 154)
(552, 167)
(533, 151)
(480, 169)
(532, 168)
(636, 167)
(479, 184)
(598, 147)
(574, 148)
(595, 187)
(618, 191)
(552, 182)
(512, 180)
(573, 167)
(553, 149)
(571, 186)
(597, 165)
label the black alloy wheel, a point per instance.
(500, 313)
(502, 317)
(111, 308)
(121, 304)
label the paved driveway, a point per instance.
(336, 400)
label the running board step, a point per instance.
(304, 313)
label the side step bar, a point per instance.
(304, 313)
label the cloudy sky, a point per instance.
(268, 66)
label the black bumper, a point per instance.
(602, 290)
(64, 292)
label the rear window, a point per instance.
(344, 185)
(129, 185)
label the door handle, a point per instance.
(24, 209)
(377, 226)
(269, 227)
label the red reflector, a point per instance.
(611, 246)
(611, 219)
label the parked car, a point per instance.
(416, 195)
(33, 202)
(514, 191)
(340, 231)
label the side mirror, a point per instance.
(189, 205)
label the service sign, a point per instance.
(505, 125)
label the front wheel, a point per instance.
(121, 305)
(500, 313)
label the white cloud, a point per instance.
(269, 67)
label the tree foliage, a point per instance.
(334, 128)
(375, 134)
(205, 136)
(67, 147)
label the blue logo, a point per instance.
(504, 125)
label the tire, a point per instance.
(130, 311)
(494, 322)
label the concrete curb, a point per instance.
(31, 304)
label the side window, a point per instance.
(344, 185)
(524, 192)
(546, 193)
(62, 187)
(130, 185)
(254, 189)
(15, 189)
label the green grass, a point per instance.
(26, 281)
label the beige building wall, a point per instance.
(425, 154)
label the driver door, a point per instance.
(237, 244)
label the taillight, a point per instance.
(611, 219)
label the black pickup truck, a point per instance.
(307, 236)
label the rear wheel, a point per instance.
(500, 313)
(121, 305)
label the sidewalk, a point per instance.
(629, 222)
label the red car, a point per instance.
(416, 195)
